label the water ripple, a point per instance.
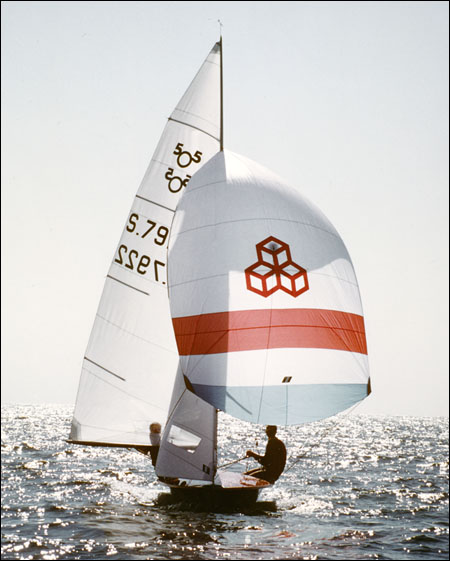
(364, 488)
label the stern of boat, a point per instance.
(230, 489)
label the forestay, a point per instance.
(264, 298)
(131, 360)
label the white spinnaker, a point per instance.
(131, 360)
(264, 299)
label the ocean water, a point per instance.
(365, 488)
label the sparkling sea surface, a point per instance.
(366, 488)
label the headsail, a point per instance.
(131, 361)
(188, 446)
(264, 298)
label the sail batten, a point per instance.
(128, 285)
(193, 127)
(154, 203)
(105, 369)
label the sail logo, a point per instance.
(184, 160)
(275, 270)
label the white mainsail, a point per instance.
(264, 298)
(131, 360)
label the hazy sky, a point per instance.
(347, 100)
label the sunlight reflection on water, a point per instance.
(366, 488)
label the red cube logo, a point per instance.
(273, 253)
(275, 270)
(260, 279)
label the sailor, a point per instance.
(274, 459)
(155, 441)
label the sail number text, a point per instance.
(184, 160)
(132, 259)
(161, 233)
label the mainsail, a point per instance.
(264, 299)
(131, 360)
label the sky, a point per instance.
(346, 100)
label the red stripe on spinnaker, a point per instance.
(250, 330)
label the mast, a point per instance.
(221, 93)
(215, 443)
(221, 149)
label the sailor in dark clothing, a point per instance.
(274, 459)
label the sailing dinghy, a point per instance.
(228, 291)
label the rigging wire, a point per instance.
(299, 457)
(328, 430)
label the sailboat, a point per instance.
(228, 291)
